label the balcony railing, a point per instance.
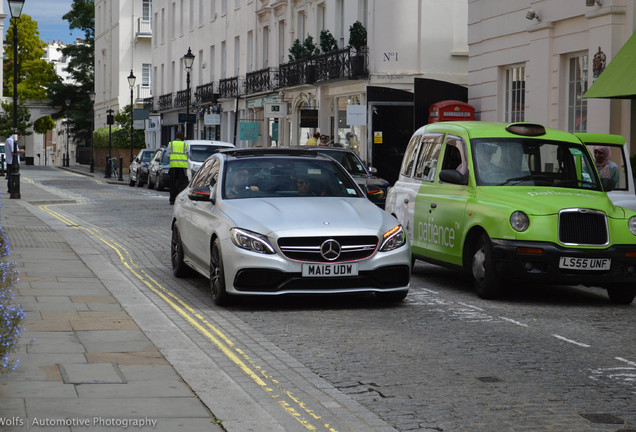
(261, 80)
(181, 99)
(165, 102)
(333, 65)
(144, 27)
(143, 91)
(205, 94)
(229, 87)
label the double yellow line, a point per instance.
(286, 399)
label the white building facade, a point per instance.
(123, 34)
(245, 90)
(533, 60)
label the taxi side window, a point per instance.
(410, 155)
(427, 162)
(454, 155)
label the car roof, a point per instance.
(210, 142)
(600, 138)
(484, 129)
(271, 151)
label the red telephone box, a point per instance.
(450, 110)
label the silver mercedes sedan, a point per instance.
(273, 221)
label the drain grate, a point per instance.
(603, 418)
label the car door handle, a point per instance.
(433, 205)
(406, 200)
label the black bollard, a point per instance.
(107, 169)
(121, 168)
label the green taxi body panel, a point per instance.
(444, 213)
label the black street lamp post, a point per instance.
(91, 95)
(15, 7)
(188, 60)
(109, 120)
(66, 162)
(131, 83)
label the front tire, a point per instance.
(150, 183)
(217, 275)
(488, 283)
(621, 294)
(179, 268)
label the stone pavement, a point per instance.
(84, 363)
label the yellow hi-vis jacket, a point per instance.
(178, 154)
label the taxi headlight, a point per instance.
(393, 239)
(519, 221)
(632, 224)
(251, 241)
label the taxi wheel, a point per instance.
(179, 267)
(488, 284)
(217, 275)
(621, 294)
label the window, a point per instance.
(281, 42)
(454, 155)
(321, 16)
(146, 10)
(340, 30)
(223, 60)
(410, 155)
(427, 162)
(146, 70)
(212, 10)
(577, 86)
(237, 56)
(223, 7)
(515, 93)
(265, 47)
(250, 51)
(212, 63)
(300, 34)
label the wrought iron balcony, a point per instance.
(333, 65)
(297, 73)
(165, 102)
(182, 99)
(229, 87)
(205, 94)
(261, 80)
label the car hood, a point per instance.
(546, 201)
(308, 216)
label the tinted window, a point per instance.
(349, 161)
(199, 153)
(410, 155)
(286, 177)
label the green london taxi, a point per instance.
(517, 201)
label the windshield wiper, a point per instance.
(543, 179)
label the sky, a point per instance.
(48, 14)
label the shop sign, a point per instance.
(309, 118)
(248, 131)
(276, 109)
(356, 115)
(212, 119)
(377, 137)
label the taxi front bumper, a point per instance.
(540, 261)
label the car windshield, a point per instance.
(286, 177)
(199, 153)
(349, 161)
(146, 156)
(532, 162)
(165, 157)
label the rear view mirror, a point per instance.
(201, 193)
(453, 176)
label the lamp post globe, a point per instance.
(15, 7)
(188, 60)
(131, 83)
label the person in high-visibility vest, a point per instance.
(178, 152)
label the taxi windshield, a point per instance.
(532, 162)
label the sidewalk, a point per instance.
(89, 366)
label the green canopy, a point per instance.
(618, 80)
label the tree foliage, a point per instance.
(79, 109)
(120, 136)
(6, 120)
(34, 73)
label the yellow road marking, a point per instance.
(267, 382)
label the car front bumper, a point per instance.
(513, 263)
(250, 273)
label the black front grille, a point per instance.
(583, 227)
(308, 248)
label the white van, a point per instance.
(200, 150)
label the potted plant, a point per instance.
(328, 43)
(357, 41)
(311, 50)
(297, 51)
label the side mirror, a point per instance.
(453, 176)
(373, 170)
(201, 193)
(608, 184)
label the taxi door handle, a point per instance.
(406, 200)
(433, 205)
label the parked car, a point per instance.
(139, 167)
(375, 187)
(513, 202)
(623, 192)
(158, 170)
(200, 150)
(280, 221)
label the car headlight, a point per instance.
(251, 241)
(632, 225)
(519, 221)
(393, 239)
(165, 171)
